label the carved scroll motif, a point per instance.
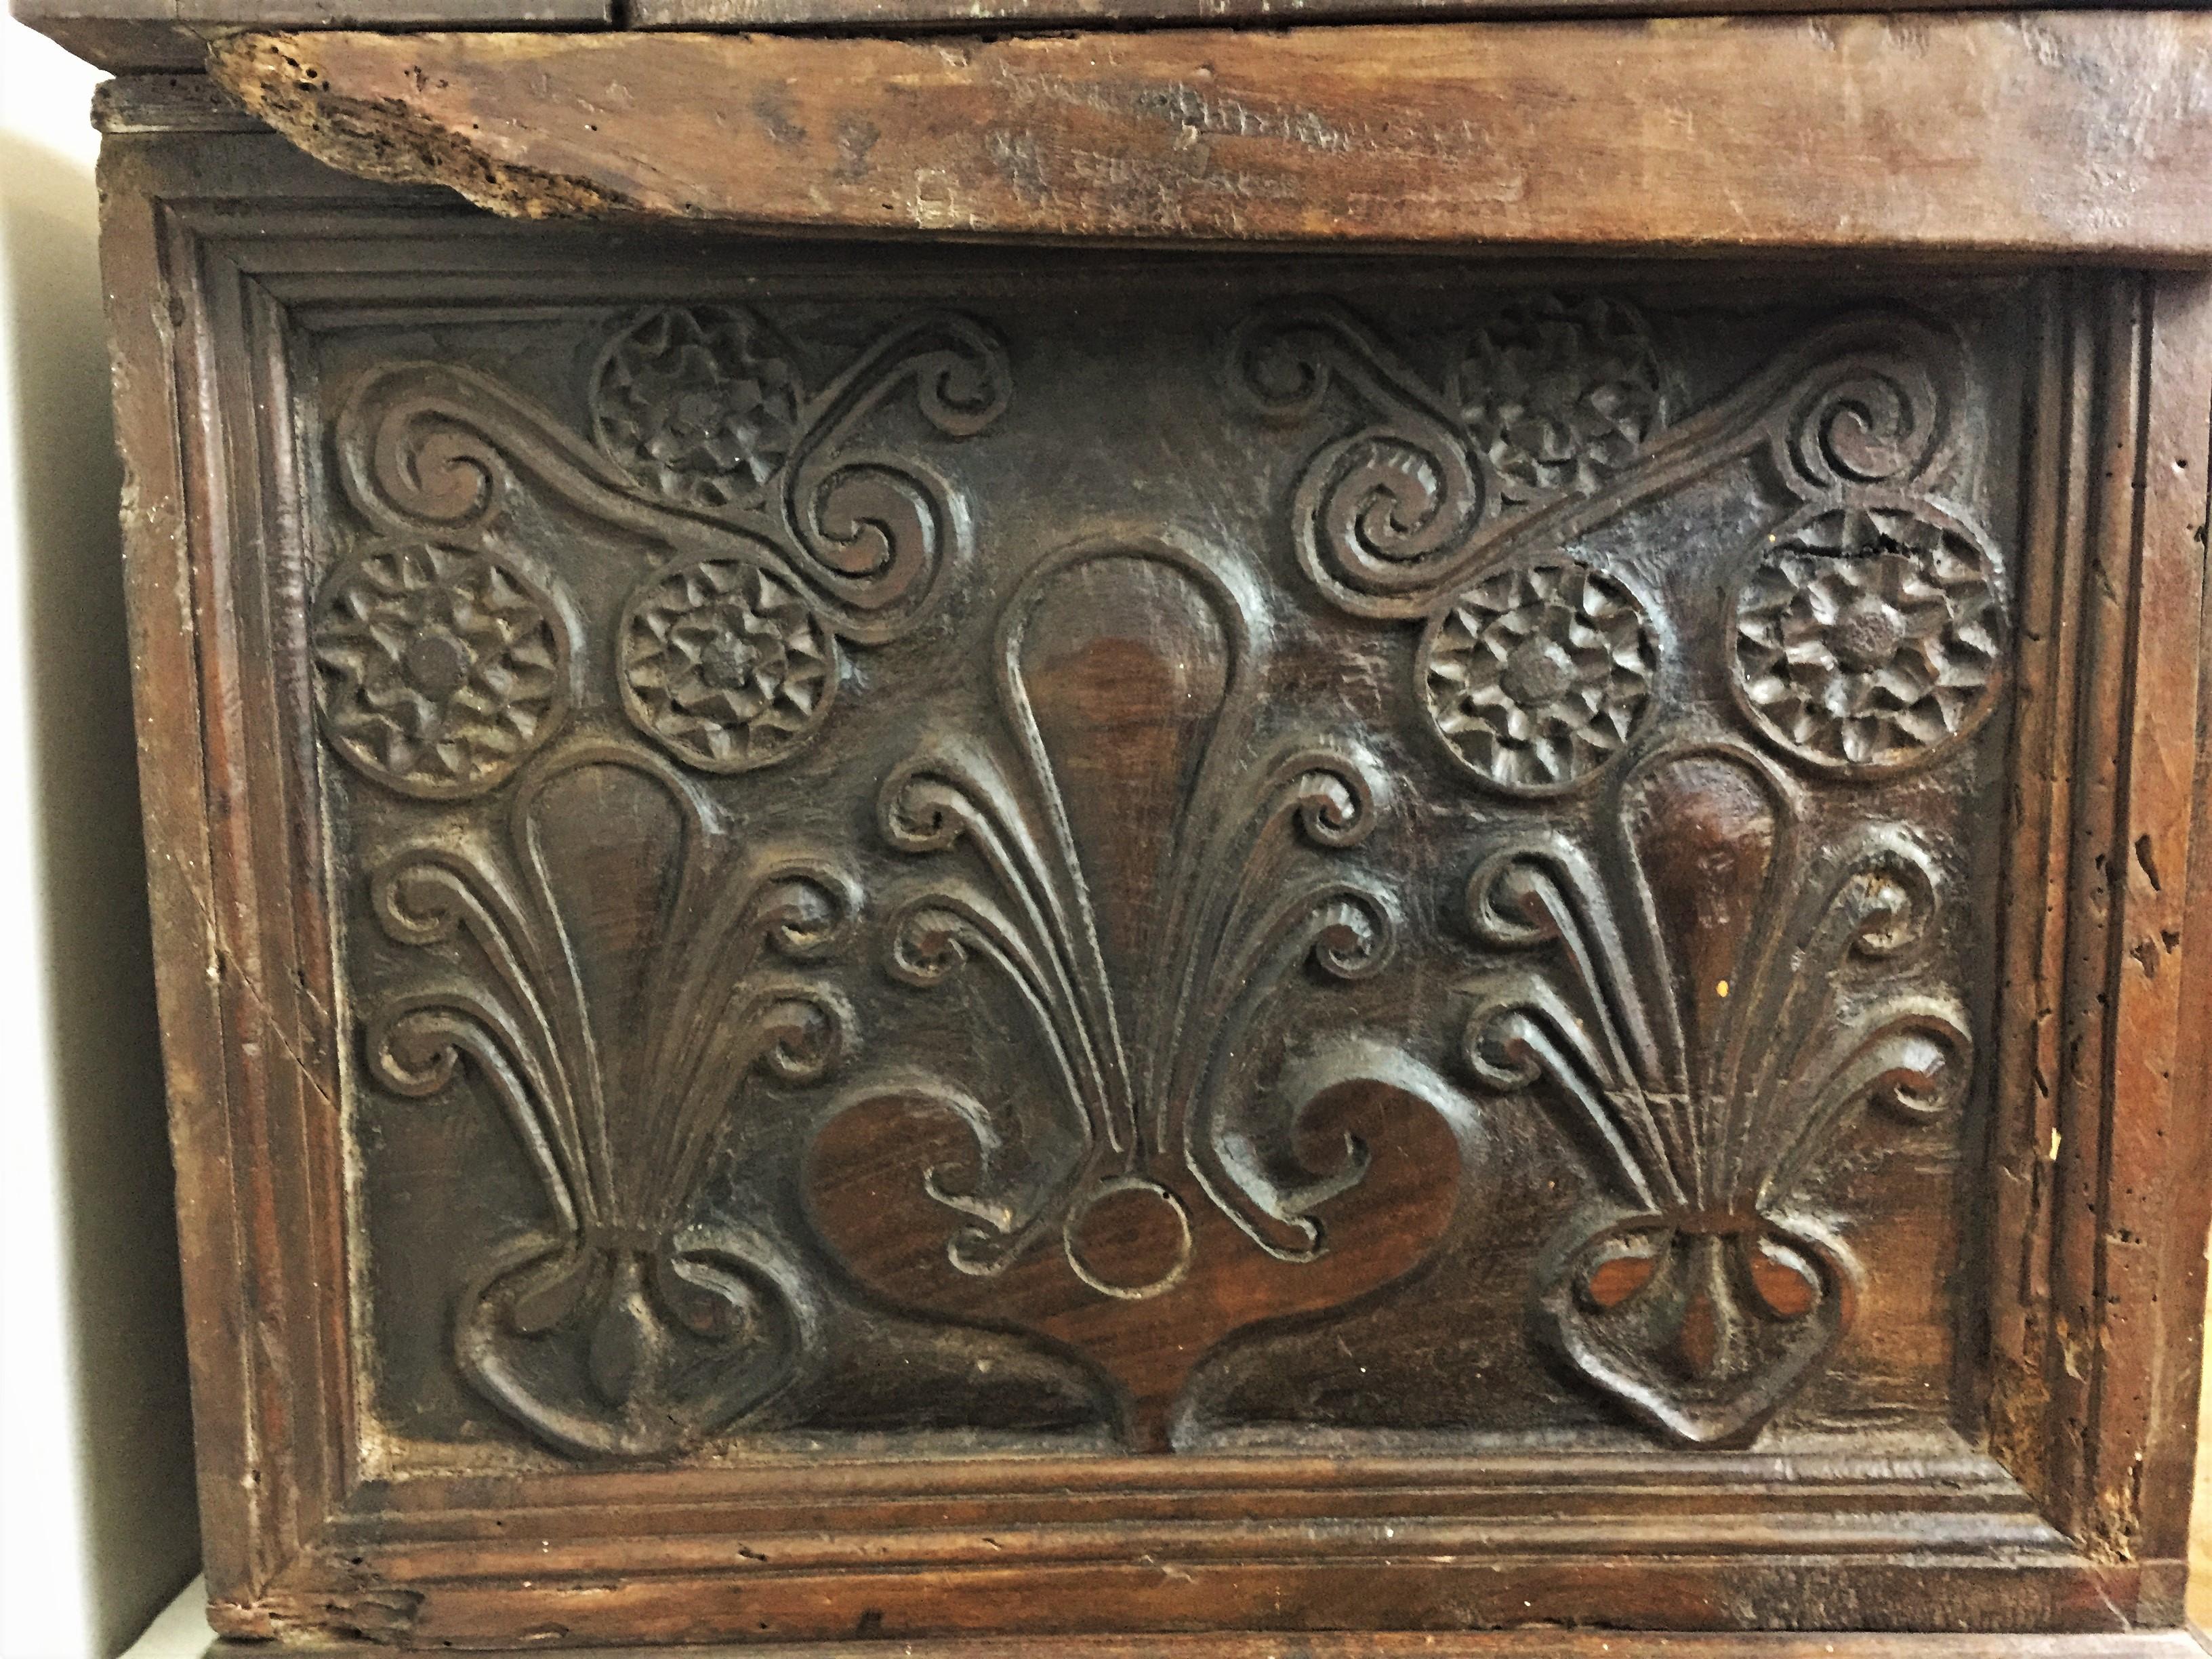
(1867, 630)
(779, 521)
(619, 980)
(1143, 876)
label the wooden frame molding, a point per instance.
(1960, 136)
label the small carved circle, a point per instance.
(1868, 634)
(701, 406)
(1868, 638)
(1538, 674)
(1560, 392)
(438, 670)
(726, 663)
(1129, 1239)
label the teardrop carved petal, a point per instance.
(1144, 880)
(1685, 1012)
(618, 978)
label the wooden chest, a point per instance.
(1269, 842)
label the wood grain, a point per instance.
(904, 16)
(1503, 1645)
(140, 36)
(2050, 134)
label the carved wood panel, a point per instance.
(1187, 870)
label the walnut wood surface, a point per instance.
(1496, 1644)
(138, 36)
(2053, 133)
(905, 942)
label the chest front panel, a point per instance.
(1226, 866)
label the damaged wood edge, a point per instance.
(385, 140)
(1490, 137)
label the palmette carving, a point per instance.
(778, 523)
(619, 979)
(1147, 1099)
(1712, 1002)
(1144, 882)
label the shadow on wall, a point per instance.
(118, 1199)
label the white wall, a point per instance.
(96, 1521)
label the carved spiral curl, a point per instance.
(1502, 1043)
(879, 526)
(1894, 896)
(420, 902)
(805, 914)
(877, 531)
(808, 1033)
(1930, 1065)
(1334, 798)
(1381, 517)
(1872, 419)
(874, 538)
(964, 386)
(1280, 369)
(1512, 897)
(921, 810)
(416, 1044)
(928, 945)
(1388, 510)
(430, 463)
(1353, 934)
(417, 1051)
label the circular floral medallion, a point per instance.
(1868, 638)
(701, 406)
(1538, 674)
(1559, 394)
(726, 663)
(438, 670)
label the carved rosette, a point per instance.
(1147, 886)
(1868, 638)
(1559, 394)
(779, 526)
(1710, 1001)
(1551, 399)
(439, 669)
(725, 664)
(619, 982)
(1538, 674)
(701, 406)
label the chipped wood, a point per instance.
(2054, 134)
